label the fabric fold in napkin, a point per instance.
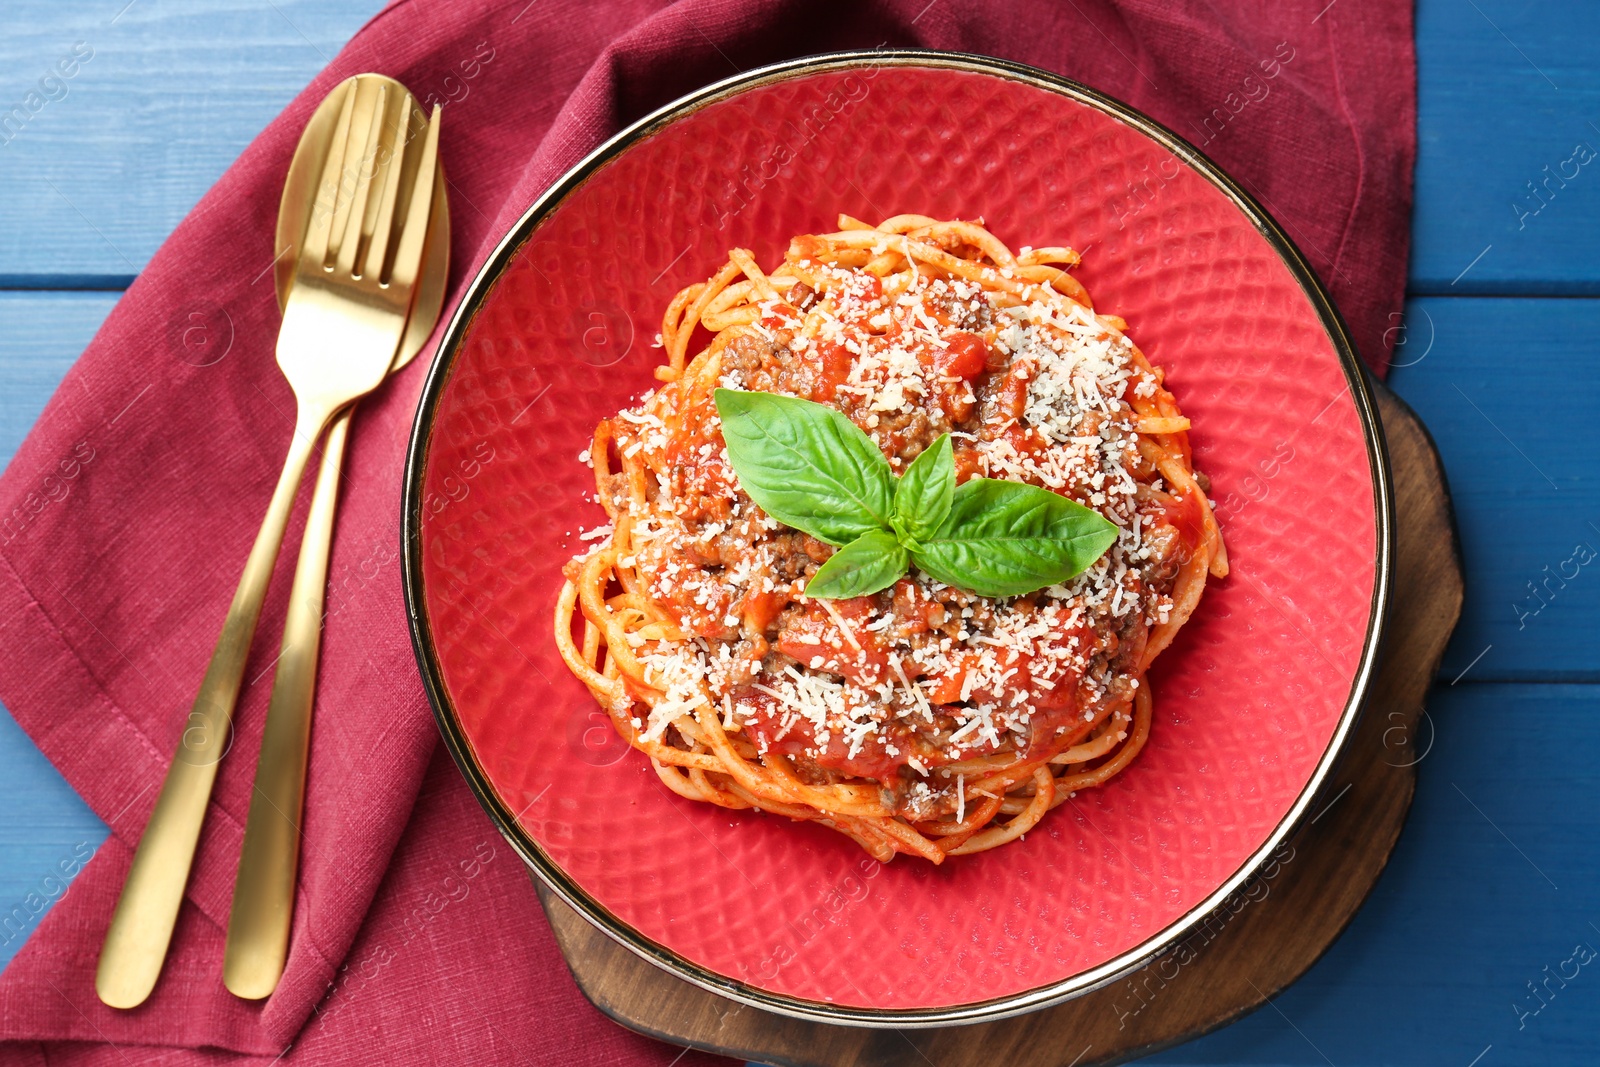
(126, 516)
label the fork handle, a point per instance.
(263, 892)
(141, 927)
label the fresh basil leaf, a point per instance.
(922, 497)
(810, 467)
(1007, 538)
(871, 562)
(807, 465)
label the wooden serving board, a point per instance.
(1276, 928)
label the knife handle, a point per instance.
(141, 927)
(263, 892)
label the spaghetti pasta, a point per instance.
(924, 719)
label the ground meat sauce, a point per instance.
(917, 676)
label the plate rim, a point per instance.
(574, 895)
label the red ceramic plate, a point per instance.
(1252, 703)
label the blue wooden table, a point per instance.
(1493, 886)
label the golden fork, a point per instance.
(263, 892)
(344, 320)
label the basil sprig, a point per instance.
(811, 468)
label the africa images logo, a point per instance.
(52, 85)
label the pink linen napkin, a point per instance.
(127, 514)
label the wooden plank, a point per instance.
(176, 89)
(41, 335)
(1507, 89)
(1507, 386)
(163, 97)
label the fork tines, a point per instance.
(372, 177)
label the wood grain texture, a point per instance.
(177, 88)
(1503, 382)
(116, 154)
(1268, 935)
(43, 335)
(1506, 88)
